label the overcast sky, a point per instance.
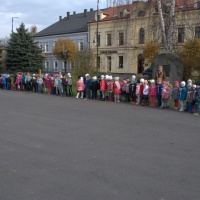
(41, 13)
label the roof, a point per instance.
(75, 24)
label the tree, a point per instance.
(22, 53)
(84, 64)
(33, 30)
(150, 49)
(65, 49)
(167, 23)
(190, 55)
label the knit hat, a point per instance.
(69, 75)
(107, 77)
(189, 84)
(94, 78)
(102, 76)
(176, 82)
(110, 77)
(133, 77)
(194, 86)
(189, 81)
(141, 80)
(183, 83)
(152, 81)
(117, 78)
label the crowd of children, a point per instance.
(154, 93)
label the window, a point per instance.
(55, 64)
(109, 63)
(46, 47)
(121, 38)
(141, 13)
(181, 34)
(81, 46)
(197, 32)
(109, 40)
(41, 46)
(141, 36)
(54, 43)
(121, 61)
(47, 64)
(121, 14)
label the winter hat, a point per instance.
(194, 86)
(176, 82)
(141, 80)
(102, 76)
(69, 74)
(94, 78)
(117, 78)
(183, 83)
(152, 81)
(189, 81)
(133, 77)
(81, 78)
(107, 77)
(110, 77)
(189, 84)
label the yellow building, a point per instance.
(123, 31)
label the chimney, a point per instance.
(91, 9)
(60, 18)
(68, 14)
(74, 12)
(85, 12)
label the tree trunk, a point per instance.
(171, 26)
(65, 62)
(162, 24)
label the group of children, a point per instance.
(154, 93)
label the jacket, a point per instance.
(102, 85)
(94, 85)
(182, 93)
(117, 87)
(175, 93)
(152, 90)
(197, 96)
(80, 86)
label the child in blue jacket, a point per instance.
(182, 95)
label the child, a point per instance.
(182, 95)
(145, 93)
(189, 98)
(102, 88)
(116, 89)
(152, 93)
(80, 87)
(94, 87)
(8, 82)
(110, 88)
(165, 94)
(138, 92)
(52, 86)
(128, 90)
(175, 94)
(88, 86)
(159, 92)
(141, 89)
(69, 84)
(197, 99)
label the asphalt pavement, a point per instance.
(62, 148)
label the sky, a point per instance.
(41, 13)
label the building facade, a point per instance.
(73, 27)
(124, 30)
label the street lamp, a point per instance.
(97, 36)
(12, 22)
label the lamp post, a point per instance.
(12, 22)
(97, 36)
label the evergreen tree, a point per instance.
(22, 53)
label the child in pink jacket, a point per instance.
(152, 93)
(80, 86)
